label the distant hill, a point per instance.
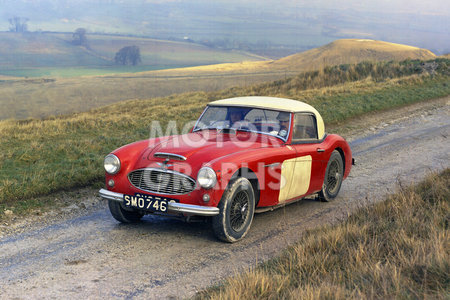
(351, 51)
(51, 54)
(346, 51)
(36, 50)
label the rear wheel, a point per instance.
(123, 215)
(334, 175)
(237, 208)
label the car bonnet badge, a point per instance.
(164, 165)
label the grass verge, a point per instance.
(38, 157)
(398, 248)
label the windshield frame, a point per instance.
(284, 139)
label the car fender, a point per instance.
(335, 142)
(261, 166)
(128, 156)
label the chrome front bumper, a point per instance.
(197, 210)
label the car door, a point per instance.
(299, 173)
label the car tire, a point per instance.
(334, 175)
(237, 208)
(122, 215)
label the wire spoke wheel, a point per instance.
(239, 210)
(334, 175)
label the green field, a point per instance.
(48, 54)
(70, 72)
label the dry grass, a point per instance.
(23, 99)
(399, 248)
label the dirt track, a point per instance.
(92, 256)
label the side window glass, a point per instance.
(305, 127)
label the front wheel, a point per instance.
(334, 175)
(237, 208)
(122, 215)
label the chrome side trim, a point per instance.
(169, 155)
(197, 210)
(272, 165)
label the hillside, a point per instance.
(51, 54)
(351, 51)
(34, 50)
(345, 51)
(43, 97)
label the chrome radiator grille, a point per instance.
(161, 181)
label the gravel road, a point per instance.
(92, 256)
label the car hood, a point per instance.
(199, 148)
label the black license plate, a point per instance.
(147, 202)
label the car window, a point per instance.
(246, 119)
(262, 115)
(263, 120)
(211, 116)
(304, 127)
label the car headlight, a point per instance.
(111, 164)
(206, 178)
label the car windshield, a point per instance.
(276, 123)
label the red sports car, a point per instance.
(244, 155)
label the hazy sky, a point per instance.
(417, 6)
(302, 23)
(423, 6)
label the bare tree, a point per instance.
(130, 55)
(79, 38)
(18, 25)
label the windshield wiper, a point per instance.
(204, 128)
(243, 129)
(227, 130)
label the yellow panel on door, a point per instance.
(287, 170)
(296, 173)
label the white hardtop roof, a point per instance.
(272, 103)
